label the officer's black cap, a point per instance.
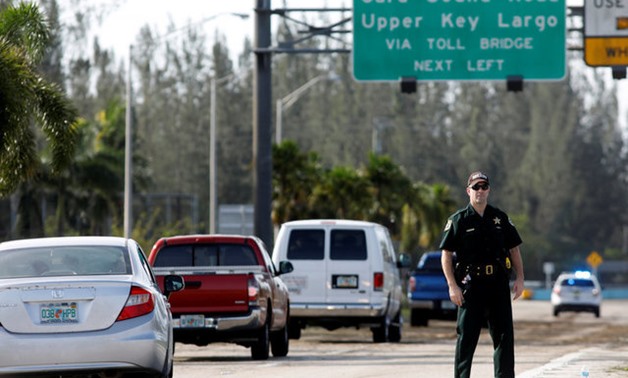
(477, 175)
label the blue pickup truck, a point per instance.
(428, 293)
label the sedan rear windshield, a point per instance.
(577, 282)
(64, 261)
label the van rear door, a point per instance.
(306, 251)
(349, 273)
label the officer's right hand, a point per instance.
(455, 294)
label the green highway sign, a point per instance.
(459, 39)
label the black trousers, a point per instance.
(488, 299)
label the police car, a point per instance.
(577, 292)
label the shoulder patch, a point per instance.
(448, 225)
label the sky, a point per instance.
(121, 27)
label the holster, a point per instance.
(459, 272)
(506, 263)
(463, 278)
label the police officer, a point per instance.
(486, 244)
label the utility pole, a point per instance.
(262, 119)
(262, 99)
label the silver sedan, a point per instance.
(82, 306)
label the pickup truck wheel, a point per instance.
(279, 342)
(260, 350)
(418, 318)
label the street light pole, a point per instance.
(289, 100)
(128, 166)
(278, 121)
(212, 152)
(212, 158)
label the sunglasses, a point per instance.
(478, 186)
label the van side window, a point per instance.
(383, 240)
(306, 245)
(348, 245)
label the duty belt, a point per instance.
(480, 270)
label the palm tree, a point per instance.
(28, 100)
(295, 174)
(391, 190)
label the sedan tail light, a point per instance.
(140, 302)
(378, 281)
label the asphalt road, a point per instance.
(545, 347)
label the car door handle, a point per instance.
(192, 284)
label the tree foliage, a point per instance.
(28, 99)
(378, 192)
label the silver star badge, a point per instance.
(497, 220)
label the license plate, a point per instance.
(345, 282)
(58, 313)
(192, 321)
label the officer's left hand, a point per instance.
(517, 288)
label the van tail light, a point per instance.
(411, 284)
(253, 290)
(378, 281)
(140, 302)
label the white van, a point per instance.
(346, 274)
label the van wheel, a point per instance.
(380, 334)
(394, 329)
(260, 349)
(279, 342)
(294, 330)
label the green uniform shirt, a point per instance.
(480, 239)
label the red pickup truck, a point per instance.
(233, 292)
